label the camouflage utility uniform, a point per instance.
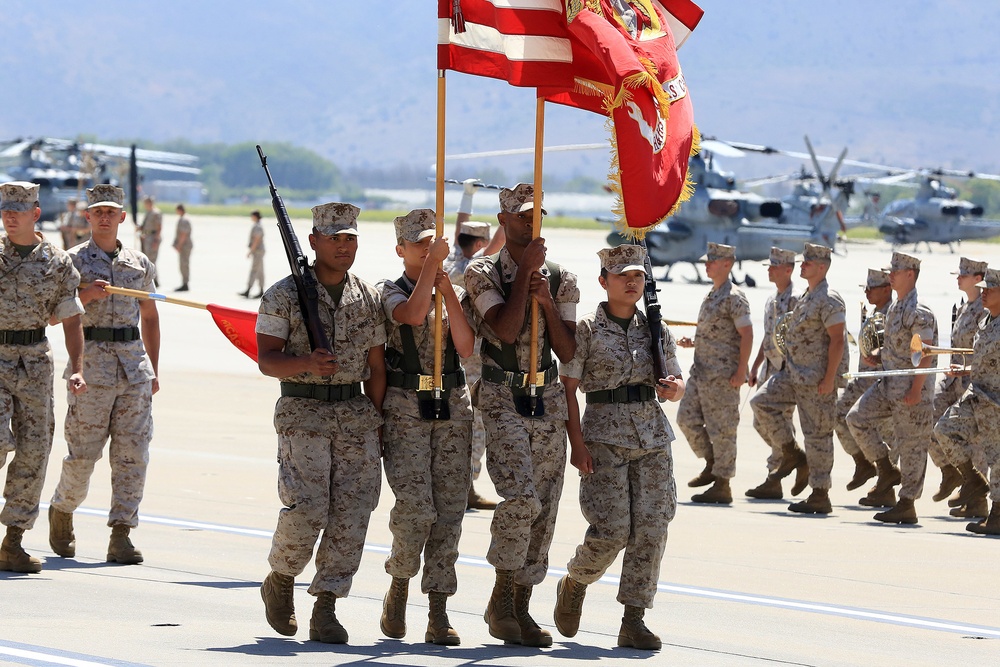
(118, 401)
(151, 231)
(855, 388)
(256, 257)
(184, 249)
(709, 411)
(525, 457)
(426, 460)
(630, 498)
(782, 430)
(329, 475)
(911, 425)
(33, 290)
(807, 344)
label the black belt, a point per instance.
(627, 393)
(424, 382)
(321, 392)
(22, 337)
(519, 380)
(111, 334)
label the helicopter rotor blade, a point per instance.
(836, 167)
(819, 170)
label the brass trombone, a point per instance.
(919, 350)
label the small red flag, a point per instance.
(239, 326)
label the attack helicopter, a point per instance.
(934, 214)
(718, 212)
(64, 168)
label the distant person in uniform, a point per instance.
(872, 208)
(709, 413)
(73, 226)
(622, 449)
(427, 459)
(256, 254)
(38, 286)
(151, 229)
(122, 350)
(183, 246)
(329, 474)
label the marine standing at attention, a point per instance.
(151, 229)
(255, 252)
(786, 456)
(329, 475)
(627, 490)
(120, 363)
(37, 287)
(525, 455)
(183, 245)
(426, 445)
(709, 412)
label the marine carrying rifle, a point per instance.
(305, 280)
(654, 320)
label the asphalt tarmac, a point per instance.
(743, 585)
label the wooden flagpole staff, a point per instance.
(139, 294)
(537, 407)
(440, 409)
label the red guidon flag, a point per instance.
(625, 65)
(239, 326)
(523, 42)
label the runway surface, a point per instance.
(745, 585)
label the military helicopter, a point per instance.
(720, 213)
(935, 214)
(64, 168)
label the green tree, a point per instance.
(291, 167)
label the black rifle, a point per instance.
(654, 320)
(305, 280)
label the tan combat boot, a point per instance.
(818, 502)
(903, 512)
(793, 458)
(974, 491)
(634, 632)
(478, 502)
(393, 621)
(13, 557)
(439, 630)
(278, 593)
(888, 475)
(718, 494)
(569, 605)
(61, 537)
(863, 471)
(705, 477)
(978, 507)
(885, 498)
(500, 610)
(991, 526)
(951, 479)
(120, 548)
(769, 489)
(531, 633)
(324, 626)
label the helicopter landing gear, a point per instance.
(748, 280)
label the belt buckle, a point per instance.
(540, 379)
(425, 383)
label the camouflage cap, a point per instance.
(415, 226)
(623, 258)
(876, 278)
(475, 228)
(335, 218)
(520, 198)
(18, 196)
(991, 280)
(813, 252)
(718, 251)
(969, 267)
(902, 262)
(780, 257)
(105, 195)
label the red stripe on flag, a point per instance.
(239, 326)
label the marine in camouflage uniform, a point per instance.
(329, 476)
(627, 490)
(151, 230)
(525, 455)
(427, 460)
(473, 237)
(879, 294)
(815, 357)
(183, 245)
(38, 283)
(709, 412)
(121, 369)
(74, 227)
(255, 251)
(769, 361)
(964, 326)
(906, 400)
(971, 426)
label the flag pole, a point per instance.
(439, 223)
(536, 231)
(153, 296)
